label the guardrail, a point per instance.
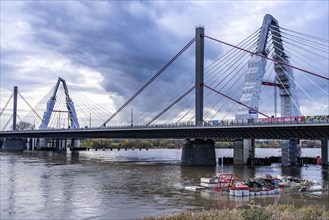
(215, 123)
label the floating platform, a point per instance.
(194, 188)
(229, 183)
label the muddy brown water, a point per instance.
(130, 184)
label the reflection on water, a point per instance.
(126, 184)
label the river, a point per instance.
(130, 184)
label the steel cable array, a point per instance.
(308, 57)
(150, 81)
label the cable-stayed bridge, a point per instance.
(225, 99)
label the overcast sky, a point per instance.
(108, 49)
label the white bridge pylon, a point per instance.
(51, 104)
(284, 78)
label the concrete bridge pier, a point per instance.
(198, 152)
(42, 142)
(33, 143)
(290, 152)
(30, 144)
(75, 143)
(63, 144)
(14, 144)
(60, 144)
(243, 149)
(325, 151)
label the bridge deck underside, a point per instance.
(318, 131)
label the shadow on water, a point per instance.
(75, 156)
(194, 173)
(325, 174)
(291, 171)
(243, 172)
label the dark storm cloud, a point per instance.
(127, 42)
(126, 47)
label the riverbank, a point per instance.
(252, 213)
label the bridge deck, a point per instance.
(270, 131)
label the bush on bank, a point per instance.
(176, 144)
(271, 212)
(131, 143)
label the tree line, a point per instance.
(131, 143)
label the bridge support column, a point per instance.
(14, 144)
(198, 152)
(290, 152)
(64, 144)
(60, 144)
(30, 144)
(325, 151)
(75, 143)
(243, 149)
(33, 143)
(1, 143)
(251, 147)
(42, 142)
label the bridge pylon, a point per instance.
(199, 74)
(284, 80)
(14, 144)
(74, 123)
(51, 104)
(199, 152)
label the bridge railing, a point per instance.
(249, 122)
(269, 121)
(218, 123)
